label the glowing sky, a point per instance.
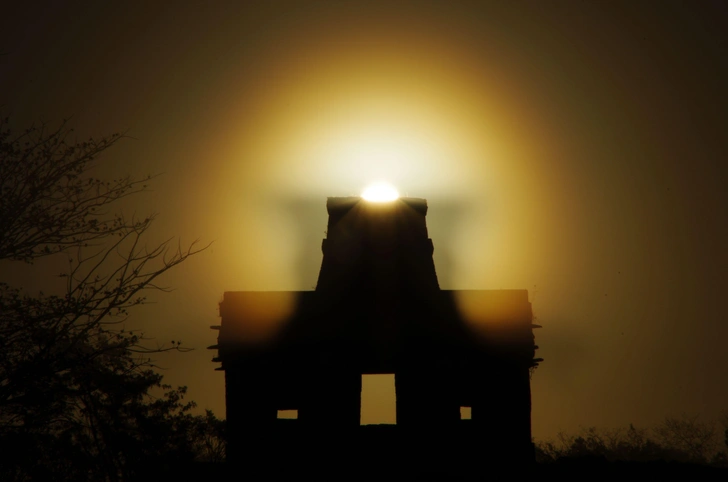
(574, 149)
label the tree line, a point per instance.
(682, 439)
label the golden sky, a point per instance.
(574, 149)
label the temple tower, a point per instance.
(378, 309)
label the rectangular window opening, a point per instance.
(288, 414)
(466, 413)
(378, 400)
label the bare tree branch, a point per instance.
(71, 374)
(51, 202)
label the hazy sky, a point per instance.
(574, 149)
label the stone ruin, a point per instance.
(377, 309)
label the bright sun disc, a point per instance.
(380, 192)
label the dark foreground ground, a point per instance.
(588, 470)
(387, 453)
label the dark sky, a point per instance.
(574, 149)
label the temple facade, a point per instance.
(377, 309)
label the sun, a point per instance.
(380, 192)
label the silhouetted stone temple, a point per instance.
(377, 309)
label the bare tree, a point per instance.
(68, 367)
(50, 202)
